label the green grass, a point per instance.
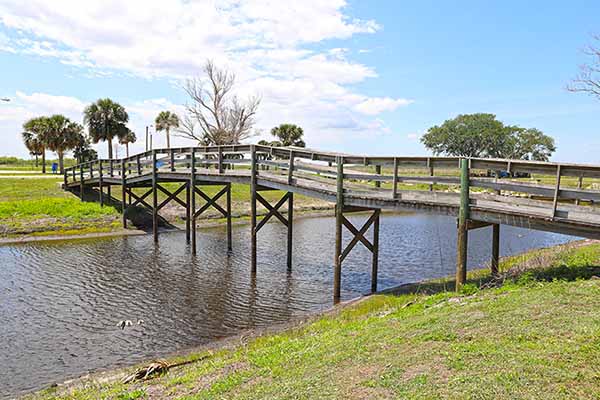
(535, 336)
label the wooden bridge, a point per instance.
(535, 195)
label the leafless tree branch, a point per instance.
(588, 79)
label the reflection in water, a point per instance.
(60, 302)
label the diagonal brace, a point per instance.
(273, 210)
(140, 200)
(210, 202)
(359, 235)
(171, 196)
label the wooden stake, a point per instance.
(375, 252)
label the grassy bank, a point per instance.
(533, 333)
(39, 206)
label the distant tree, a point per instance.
(106, 119)
(588, 80)
(34, 145)
(288, 135)
(83, 151)
(37, 129)
(165, 121)
(482, 135)
(63, 135)
(216, 116)
(129, 137)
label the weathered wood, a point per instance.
(154, 199)
(187, 213)
(472, 224)
(375, 252)
(395, 180)
(193, 199)
(211, 202)
(229, 231)
(339, 217)
(290, 226)
(253, 194)
(123, 195)
(100, 180)
(272, 210)
(378, 172)
(171, 196)
(463, 232)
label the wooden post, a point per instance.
(290, 226)
(463, 233)
(579, 186)
(495, 249)
(100, 183)
(81, 182)
(556, 191)
(339, 213)
(430, 166)
(65, 178)
(187, 213)
(395, 180)
(290, 176)
(220, 161)
(172, 160)
(229, 233)
(253, 208)
(139, 164)
(110, 173)
(193, 200)
(123, 194)
(378, 172)
(375, 252)
(154, 199)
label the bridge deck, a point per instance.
(517, 202)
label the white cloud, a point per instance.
(266, 43)
(377, 105)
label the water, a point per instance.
(60, 302)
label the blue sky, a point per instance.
(360, 77)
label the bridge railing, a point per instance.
(552, 190)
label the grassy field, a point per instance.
(39, 206)
(533, 334)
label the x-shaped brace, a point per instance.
(171, 196)
(273, 210)
(359, 235)
(140, 200)
(211, 201)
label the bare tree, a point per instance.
(588, 80)
(216, 116)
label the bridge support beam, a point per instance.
(495, 249)
(212, 202)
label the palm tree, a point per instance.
(83, 152)
(37, 129)
(165, 121)
(105, 120)
(288, 135)
(129, 137)
(64, 135)
(34, 145)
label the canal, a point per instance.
(60, 302)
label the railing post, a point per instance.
(139, 164)
(154, 199)
(291, 168)
(253, 208)
(378, 172)
(395, 180)
(556, 191)
(172, 160)
(81, 181)
(339, 210)
(430, 167)
(463, 233)
(220, 161)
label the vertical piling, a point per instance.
(339, 212)
(253, 208)
(81, 181)
(193, 200)
(100, 182)
(123, 194)
(378, 172)
(290, 229)
(495, 249)
(154, 199)
(229, 233)
(463, 233)
(187, 213)
(375, 253)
